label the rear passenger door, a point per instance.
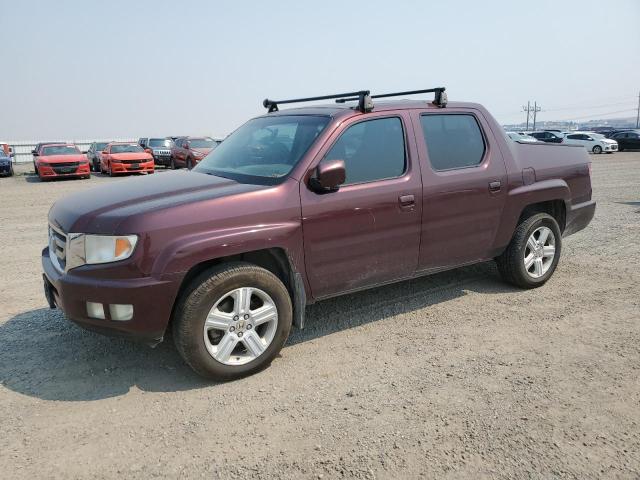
(464, 188)
(368, 231)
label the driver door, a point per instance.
(368, 231)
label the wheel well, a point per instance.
(556, 208)
(274, 260)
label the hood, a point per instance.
(80, 157)
(102, 209)
(131, 156)
(203, 151)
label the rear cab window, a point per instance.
(454, 140)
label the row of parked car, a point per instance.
(53, 160)
(618, 140)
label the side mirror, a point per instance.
(330, 174)
(84, 152)
(33, 152)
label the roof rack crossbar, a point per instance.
(272, 105)
(438, 100)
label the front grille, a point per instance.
(58, 247)
(162, 152)
(131, 162)
(65, 164)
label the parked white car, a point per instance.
(593, 142)
(521, 137)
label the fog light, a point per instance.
(121, 312)
(95, 310)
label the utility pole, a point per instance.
(638, 114)
(536, 109)
(531, 112)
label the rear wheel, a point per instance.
(533, 253)
(232, 321)
(189, 164)
(110, 170)
(597, 149)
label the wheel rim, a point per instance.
(240, 326)
(539, 252)
(597, 149)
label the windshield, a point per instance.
(60, 150)
(129, 148)
(597, 136)
(202, 143)
(264, 149)
(101, 146)
(159, 142)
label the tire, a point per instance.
(621, 149)
(511, 264)
(172, 164)
(597, 149)
(110, 170)
(214, 290)
(189, 164)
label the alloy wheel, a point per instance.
(240, 326)
(539, 252)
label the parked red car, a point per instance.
(118, 157)
(188, 151)
(54, 160)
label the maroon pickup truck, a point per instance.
(305, 204)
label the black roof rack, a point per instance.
(365, 103)
(364, 100)
(440, 98)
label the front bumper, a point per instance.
(50, 171)
(610, 148)
(132, 167)
(152, 301)
(579, 216)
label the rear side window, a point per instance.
(371, 150)
(453, 141)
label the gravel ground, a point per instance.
(451, 376)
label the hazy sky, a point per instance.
(101, 69)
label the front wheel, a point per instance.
(232, 321)
(597, 149)
(533, 253)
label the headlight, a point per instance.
(95, 249)
(105, 249)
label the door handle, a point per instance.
(407, 201)
(495, 186)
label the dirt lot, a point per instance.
(452, 376)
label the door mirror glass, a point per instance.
(330, 174)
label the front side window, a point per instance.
(264, 150)
(371, 150)
(453, 140)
